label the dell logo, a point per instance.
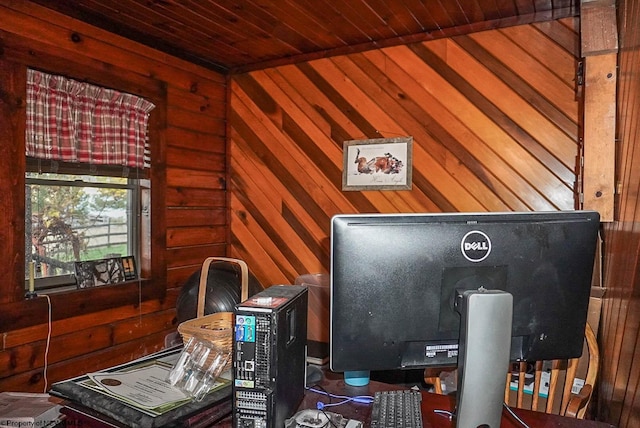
(475, 246)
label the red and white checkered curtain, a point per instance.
(77, 122)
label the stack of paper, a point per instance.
(27, 410)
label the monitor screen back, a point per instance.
(394, 280)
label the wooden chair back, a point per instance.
(558, 382)
(557, 378)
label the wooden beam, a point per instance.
(598, 27)
(599, 134)
(599, 40)
(442, 33)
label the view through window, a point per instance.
(73, 218)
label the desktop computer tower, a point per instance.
(269, 361)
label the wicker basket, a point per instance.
(217, 327)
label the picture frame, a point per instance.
(95, 273)
(111, 270)
(129, 268)
(377, 164)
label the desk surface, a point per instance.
(334, 383)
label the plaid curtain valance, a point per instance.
(73, 121)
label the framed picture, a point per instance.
(94, 273)
(377, 164)
(129, 268)
(113, 270)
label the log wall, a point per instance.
(86, 333)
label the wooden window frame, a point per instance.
(16, 311)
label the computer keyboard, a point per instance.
(396, 409)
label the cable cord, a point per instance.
(514, 416)
(363, 399)
(452, 415)
(448, 414)
(46, 351)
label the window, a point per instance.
(87, 171)
(73, 217)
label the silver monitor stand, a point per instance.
(483, 356)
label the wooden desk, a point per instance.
(334, 383)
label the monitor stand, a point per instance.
(483, 356)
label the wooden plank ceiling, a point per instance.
(234, 36)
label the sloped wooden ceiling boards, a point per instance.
(238, 36)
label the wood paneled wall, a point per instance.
(619, 398)
(493, 114)
(495, 124)
(193, 142)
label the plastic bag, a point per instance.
(199, 365)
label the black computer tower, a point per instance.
(269, 358)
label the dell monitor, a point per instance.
(400, 281)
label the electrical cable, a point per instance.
(320, 405)
(516, 417)
(448, 414)
(451, 415)
(46, 351)
(363, 399)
